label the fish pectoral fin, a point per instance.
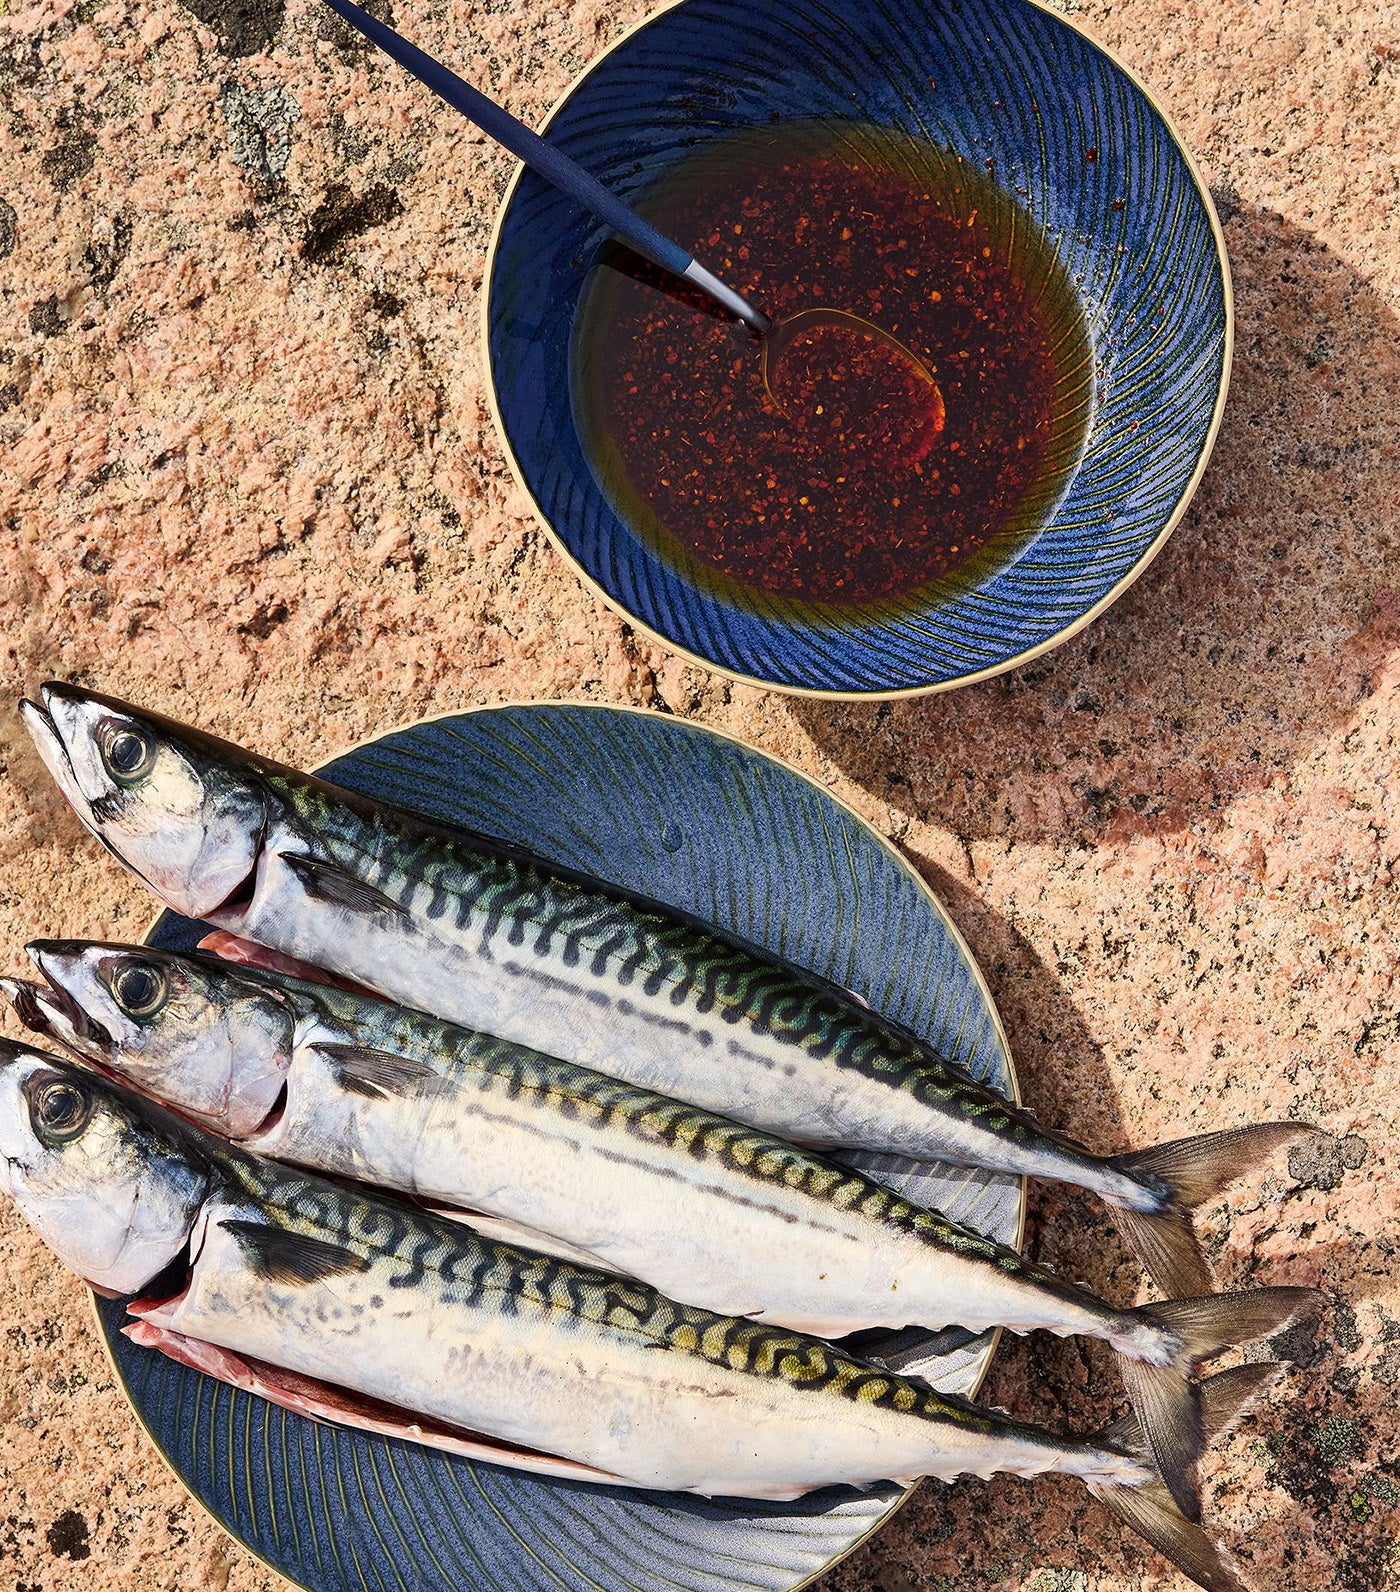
(377, 1073)
(326, 882)
(324, 1401)
(286, 1257)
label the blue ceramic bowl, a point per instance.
(694, 819)
(1085, 151)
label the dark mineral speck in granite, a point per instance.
(67, 1537)
(344, 214)
(66, 162)
(45, 319)
(244, 27)
(350, 43)
(108, 248)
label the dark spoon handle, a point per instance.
(554, 166)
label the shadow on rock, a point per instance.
(1258, 630)
(1064, 1082)
(1306, 1493)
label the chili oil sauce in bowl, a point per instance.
(852, 486)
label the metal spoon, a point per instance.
(783, 333)
(775, 336)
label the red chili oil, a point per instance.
(844, 486)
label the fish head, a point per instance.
(187, 1030)
(184, 811)
(113, 1192)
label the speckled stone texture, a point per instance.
(247, 475)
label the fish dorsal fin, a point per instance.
(325, 881)
(379, 1074)
(287, 1257)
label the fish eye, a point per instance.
(140, 989)
(128, 753)
(61, 1110)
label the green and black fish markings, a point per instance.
(312, 1233)
(705, 1208)
(506, 943)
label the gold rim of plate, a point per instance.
(1060, 637)
(940, 911)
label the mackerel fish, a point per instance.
(703, 1209)
(486, 935)
(347, 1306)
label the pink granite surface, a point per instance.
(247, 475)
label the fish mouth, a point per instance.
(13, 1050)
(53, 751)
(18, 1064)
(38, 1010)
(50, 1010)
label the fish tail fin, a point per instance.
(1224, 1398)
(1159, 1371)
(1151, 1511)
(1149, 1508)
(1173, 1179)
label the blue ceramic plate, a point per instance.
(712, 826)
(1091, 161)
